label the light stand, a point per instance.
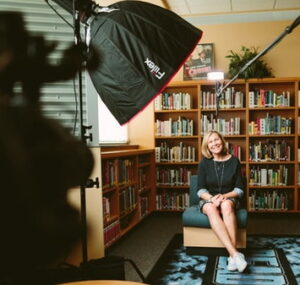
(84, 137)
(286, 31)
(74, 7)
(141, 47)
(218, 78)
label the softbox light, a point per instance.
(141, 47)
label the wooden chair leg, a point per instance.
(205, 237)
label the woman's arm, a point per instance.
(238, 191)
(231, 194)
(202, 185)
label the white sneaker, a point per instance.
(231, 266)
(240, 262)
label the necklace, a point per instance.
(219, 177)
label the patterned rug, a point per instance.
(271, 261)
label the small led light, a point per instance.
(215, 75)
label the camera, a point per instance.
(40, 159)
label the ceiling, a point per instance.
(224, 11)
(201, 12)
(185, 7)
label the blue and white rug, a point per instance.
(271, 261)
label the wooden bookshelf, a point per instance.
(128, 184)
(249, 117)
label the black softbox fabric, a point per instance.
(141, 47)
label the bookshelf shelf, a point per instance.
(273, 109)
(144, 164)
(234, 136)
(127, 229)
(271, 187)
(108, 189)
(129, 191)
(170, 210)
(172, 186)
(271, 162)
(128, 212)
(231, 136)
(178, 111)
(175, 137)
(224, 110)
(123, 186)
(271, 211)
(272, 136)
(110, 220)
(260, 120)
(177, 163)
(144, 190)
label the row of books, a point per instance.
(111, 233)
(268, 200)
(142, 178)
(144, 206)
(173, 177)
(106, 209)
(174, 101)
(180, 127)
(143, 202)
(229, 99)
(178, 153)
(234, 149)
(186, 153)
(269, 151)
(268, 98)
(171, 200)
(268, 176)
(271, 125)
(125, 171)
(109, 174)
(224, 126)
(127, 200)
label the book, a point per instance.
(263, 174)
(158, 102)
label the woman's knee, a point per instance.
(210, 209)
(227, 207)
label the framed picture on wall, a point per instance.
(200, 62)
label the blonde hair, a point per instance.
(205, 151)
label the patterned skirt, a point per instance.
(236, 202)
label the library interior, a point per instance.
(144, 166)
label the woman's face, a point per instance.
(214, 144)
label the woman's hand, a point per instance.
(218, 199)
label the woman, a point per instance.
(220, 187)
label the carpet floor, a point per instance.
(272, 261)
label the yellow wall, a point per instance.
(284, 59)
